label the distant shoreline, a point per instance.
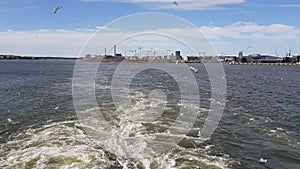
(17, 57)
(259, 63)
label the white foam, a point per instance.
(262, 160)
(127, 138)
(208, 147)
(9, 120)
(251, 119)
(279, 129)
(39, 147)
(56, 143)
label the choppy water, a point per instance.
(39, 126)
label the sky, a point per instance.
(29, 27)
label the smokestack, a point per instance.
(115, 50)
(104, 51)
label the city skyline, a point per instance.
(29, 27)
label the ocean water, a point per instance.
(41, 128)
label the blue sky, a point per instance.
(29, 27)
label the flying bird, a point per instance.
(175, 3)
(57, 9)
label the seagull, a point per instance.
(175, 3)
(262, 160)
(56, 107)
(56, 9)
(194, 69)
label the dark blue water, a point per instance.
(30, 90)
(38, 120)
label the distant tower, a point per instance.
(240, 54)
(178, 56)
(115, 50)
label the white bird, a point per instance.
(194, 69)
(56, 107)
(262, 160)
(56, 9)
(9, 120)
(175, 3)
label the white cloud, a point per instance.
(43, 42)
(183, 39)
(43, 36)
(289, 6)
(263, 38)
(250, 30)
(59, 42)
(183, 4)
(69, 43)
(93, 30)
